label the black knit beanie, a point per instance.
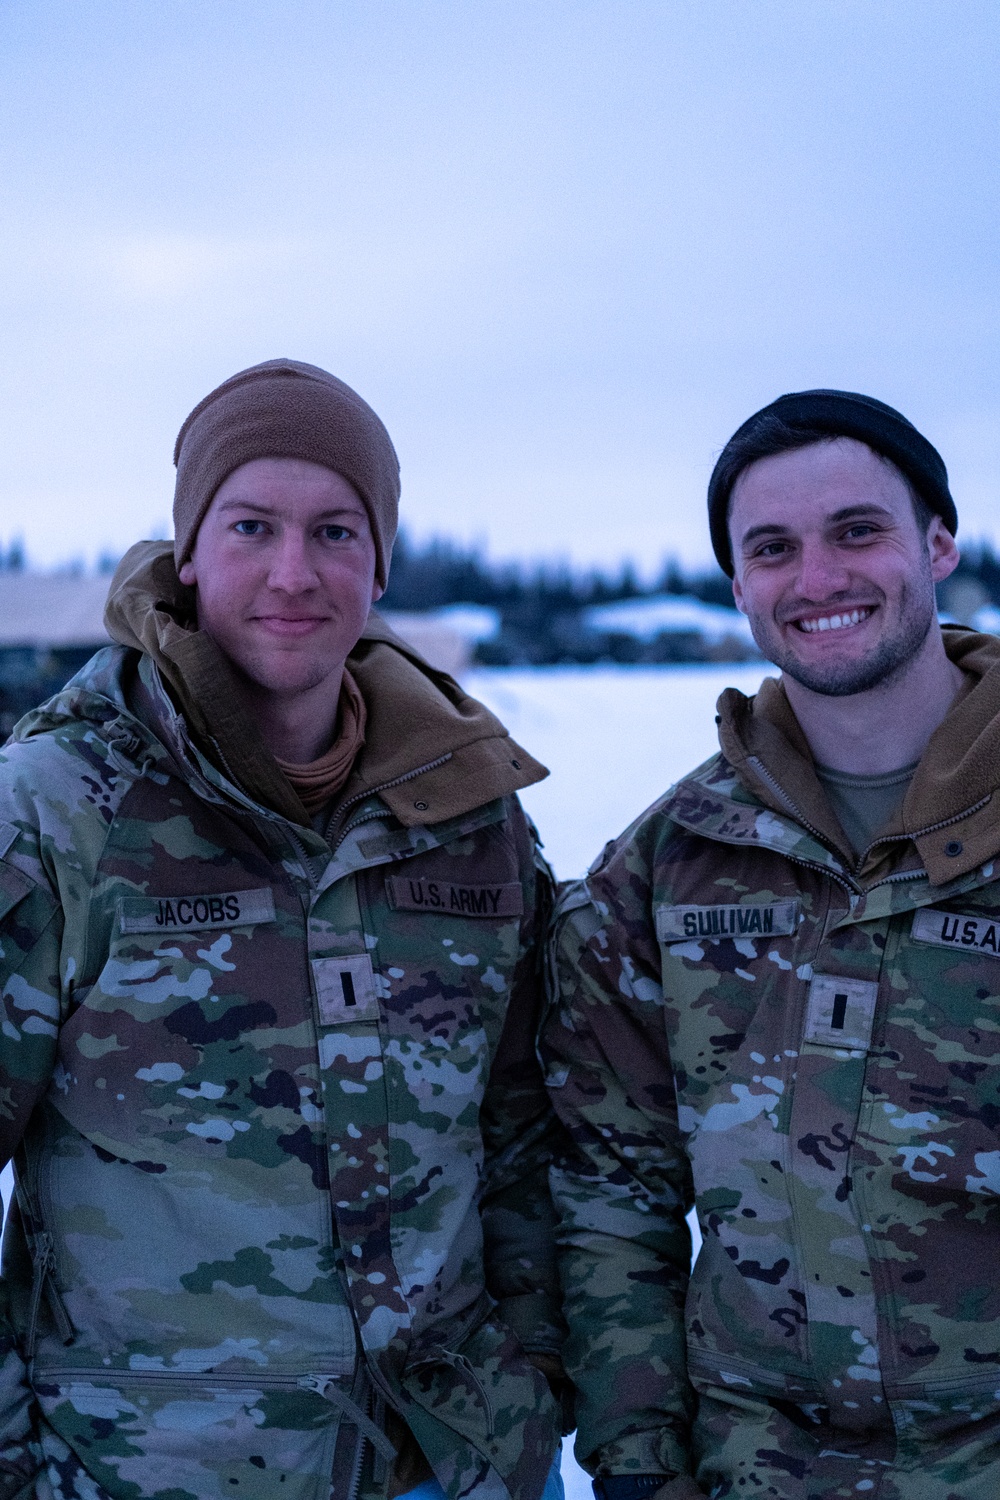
(833, 414)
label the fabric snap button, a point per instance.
(953, 847)
(420, 806)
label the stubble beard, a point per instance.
(262, 674)
(883, 665)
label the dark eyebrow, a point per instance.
(870, 511)
(768, 528)
(860, 512)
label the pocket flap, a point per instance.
(14, 886)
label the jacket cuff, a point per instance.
(664, 1451)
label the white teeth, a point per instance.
(835, 622)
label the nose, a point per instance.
(822, 571)
(291, 571)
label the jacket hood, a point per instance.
(431, 751)
(949, 801)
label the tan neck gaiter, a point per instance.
(318, 781)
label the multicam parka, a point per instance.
(281, 1138)
(806, 1046)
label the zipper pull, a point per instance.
(317, 1383)
(53, 1296)
(44, 1281)
(327, 1387)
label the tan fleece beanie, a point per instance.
(285, 409)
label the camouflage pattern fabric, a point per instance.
(738, 1025)
(260, 1089)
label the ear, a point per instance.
(943, 550)
(186, 573)
(738, 596)
(377, 591)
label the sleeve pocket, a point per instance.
(16, 887)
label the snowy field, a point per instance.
(614, 740)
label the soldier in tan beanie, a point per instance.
(278, 914)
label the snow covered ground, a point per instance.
(614, 739)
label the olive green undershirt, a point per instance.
(865, 804)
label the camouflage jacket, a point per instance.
(805, 1046)
(281, 1136)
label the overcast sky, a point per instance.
(563, 248)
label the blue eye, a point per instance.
(334, 533)
(248, 528)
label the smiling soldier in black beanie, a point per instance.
(776, 1001)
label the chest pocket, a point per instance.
(449, 940)
(175, 1047)
(452, 935)
(943, 1024)
(732, 1008)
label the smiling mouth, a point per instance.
(834, 622)
(292, 625)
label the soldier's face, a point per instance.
(832, 569)
(284, 566)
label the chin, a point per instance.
(285, 677)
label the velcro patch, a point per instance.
(345, 989)
(840, 1012)
(950, 929)
(181, 913)
(440, 896)
(679, 924)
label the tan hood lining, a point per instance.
(952, 786)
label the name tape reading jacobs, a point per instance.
(178, 913)
(677, 924)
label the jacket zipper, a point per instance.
(921, 833)
(325, 1386)
(367, 818)
(43, 1280)
(170, 1378)
(918, 833)
(384, 786)
(43, 1258)
(765, 775)
(843, 879)
(373, 791)
(358, 823)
